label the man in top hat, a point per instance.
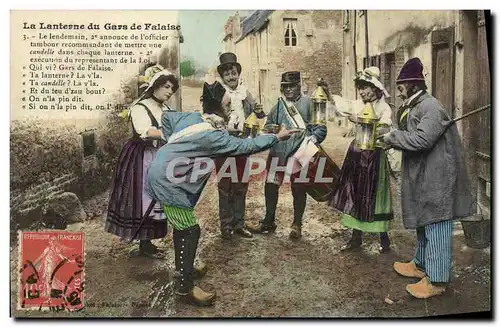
(298, 115)
(242, 102)
(177, 177)
(434, 189)
(232, 192)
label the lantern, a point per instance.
(251, 126)
(366, 127)
(319, 99)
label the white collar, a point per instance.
(217, 122)
(240, 89)
(409, 100)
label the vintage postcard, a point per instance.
(250, 163)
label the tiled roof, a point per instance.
(254, 23)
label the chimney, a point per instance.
(236, 26)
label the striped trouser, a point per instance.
(433, 253)
(180, 218)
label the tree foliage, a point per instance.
(188, 68)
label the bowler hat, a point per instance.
(290, 78)
(212, 97)
(226, 59)
(412, 71)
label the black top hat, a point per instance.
(212, 97)
(226, 59)
(290, 78)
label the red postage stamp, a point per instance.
(51, 271)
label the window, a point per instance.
(290, 32)
(371, 61)
(366, 62)
(390, 75)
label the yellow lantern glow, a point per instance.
(319, 99)
(366, 127)
(251, 127)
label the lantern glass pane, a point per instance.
(315, 111)
(364, 134)
(246, 132)
(359, 134)
(255, 131)
(323, 112)
(368, 132)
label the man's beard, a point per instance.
(411, 90)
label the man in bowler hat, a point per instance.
(279, 115)
(232, 193)
(434, 188)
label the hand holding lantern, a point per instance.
(382, 129)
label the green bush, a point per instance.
(187, 68)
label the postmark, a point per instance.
(51, 271)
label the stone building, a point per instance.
(269, 43)
(453, 48)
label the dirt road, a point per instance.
(191, 98)
(271, 276)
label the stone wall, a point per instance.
(47, 159)
(319, 49)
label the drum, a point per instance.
(322, 191)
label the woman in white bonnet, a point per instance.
(128, 202)
(364, 195)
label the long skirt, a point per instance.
(364, 195)
(128, 201)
